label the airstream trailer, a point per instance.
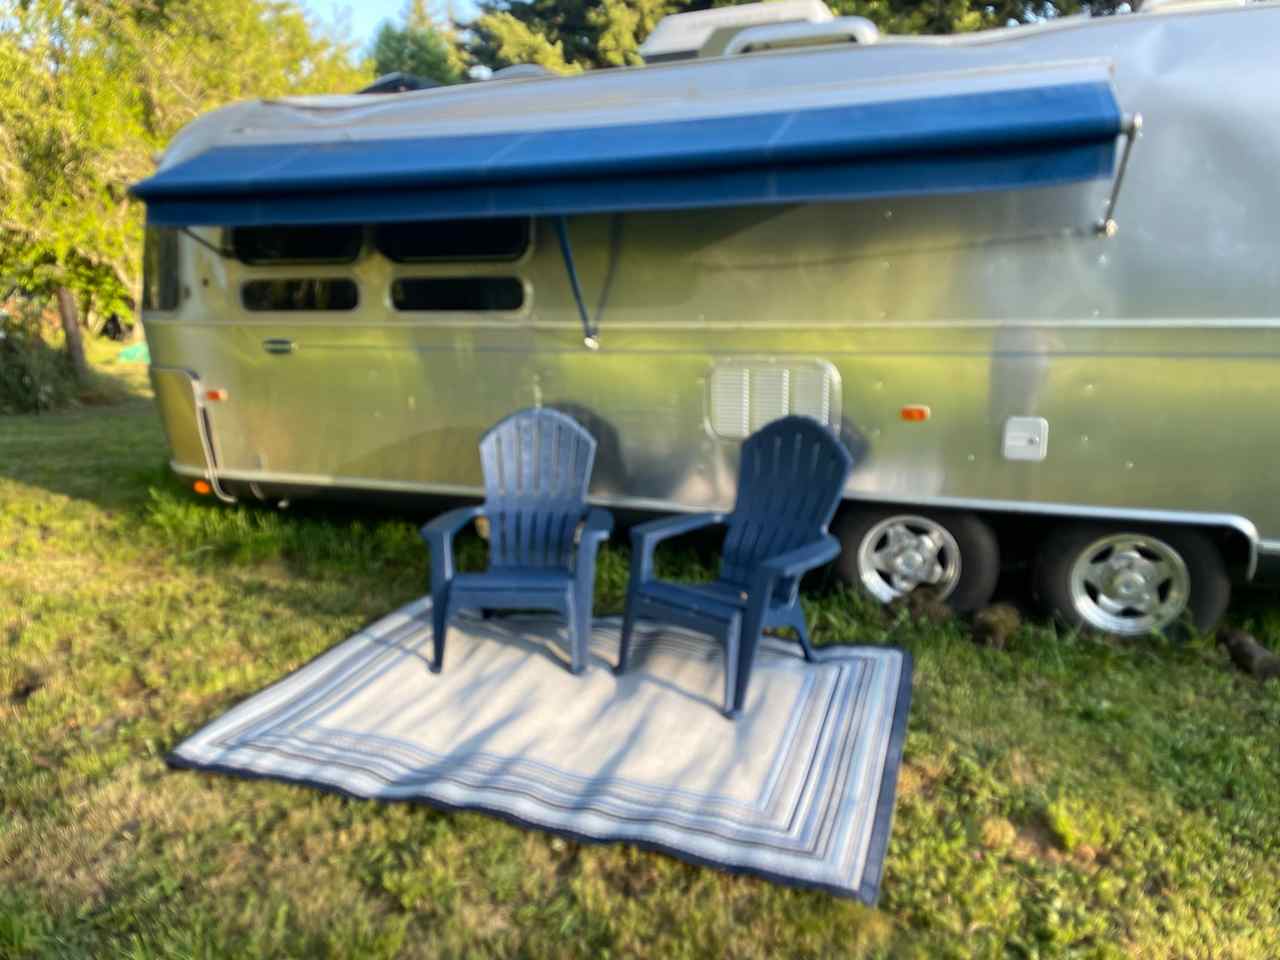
(1042, 333)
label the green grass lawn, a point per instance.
(1067, 796)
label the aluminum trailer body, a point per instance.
(991, 351)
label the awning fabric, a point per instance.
(991, 140)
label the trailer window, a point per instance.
(309, 293)
(458, 293)
(505, 238)
(316, 244)
(160, 269)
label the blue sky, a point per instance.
(363, 16)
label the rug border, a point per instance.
(868, 893)
(873, 870)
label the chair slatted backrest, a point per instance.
(537, 464)
(790, 480)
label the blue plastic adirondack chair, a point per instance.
(543, 538)
(789, 485)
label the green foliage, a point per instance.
(502, 38)
(423, 53)
(90, 91)
(572, 35)
(255, 536)
(420, 47)
(24, 928)
(622, 25)
(1078, 825)
(35, 377)
(528, 31)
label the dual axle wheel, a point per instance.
(1121, 580)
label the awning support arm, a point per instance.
(220, 251)
(590, 335)
(1107, 225)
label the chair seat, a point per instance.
(704, 598)
(514, 579)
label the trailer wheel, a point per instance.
(1132, 581)
(889, 553)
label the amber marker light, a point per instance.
(914, 413)
(202, 487)
(215, 396)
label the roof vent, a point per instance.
(702, 33)
(776, 36)
(1178, 6)
(399, 83)
(521, 71)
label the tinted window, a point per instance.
(458, 293)
(318, 244)
(498, 239)
(310, 293)
(160, 269)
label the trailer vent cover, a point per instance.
(746, 396)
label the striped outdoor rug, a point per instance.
(800, 789)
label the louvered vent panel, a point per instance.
(730, 401)
(811, 393)
(745, 397)
(769, 395)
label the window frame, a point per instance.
(527, 233)
(248, 282)
(518, 282)
(360, 233)
(169, 281)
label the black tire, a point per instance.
(979, 552)
(1207, 598)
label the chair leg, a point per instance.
(802, 631)
(732, 651)
(742, 676)
(624, 642)
(577, 638)
(588, 627)
(439, 627)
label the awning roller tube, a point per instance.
(1026, 134)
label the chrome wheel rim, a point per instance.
(902, 553)
(1129, 584)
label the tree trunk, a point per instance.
(71, 329)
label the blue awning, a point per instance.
(994, 140)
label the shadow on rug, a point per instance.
(800, 789)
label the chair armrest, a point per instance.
(598, 525)
(666, 527)
(797, 561)
(646, 537)
(438, 536)
(595, 531)
(448, 524)
(783, 566)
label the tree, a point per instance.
(622, 25)
(90, 91)
(63, 111)
(557, 34)
(502, 39)
(422, 47)
(572, 35)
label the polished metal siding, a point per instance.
(1152, 355)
